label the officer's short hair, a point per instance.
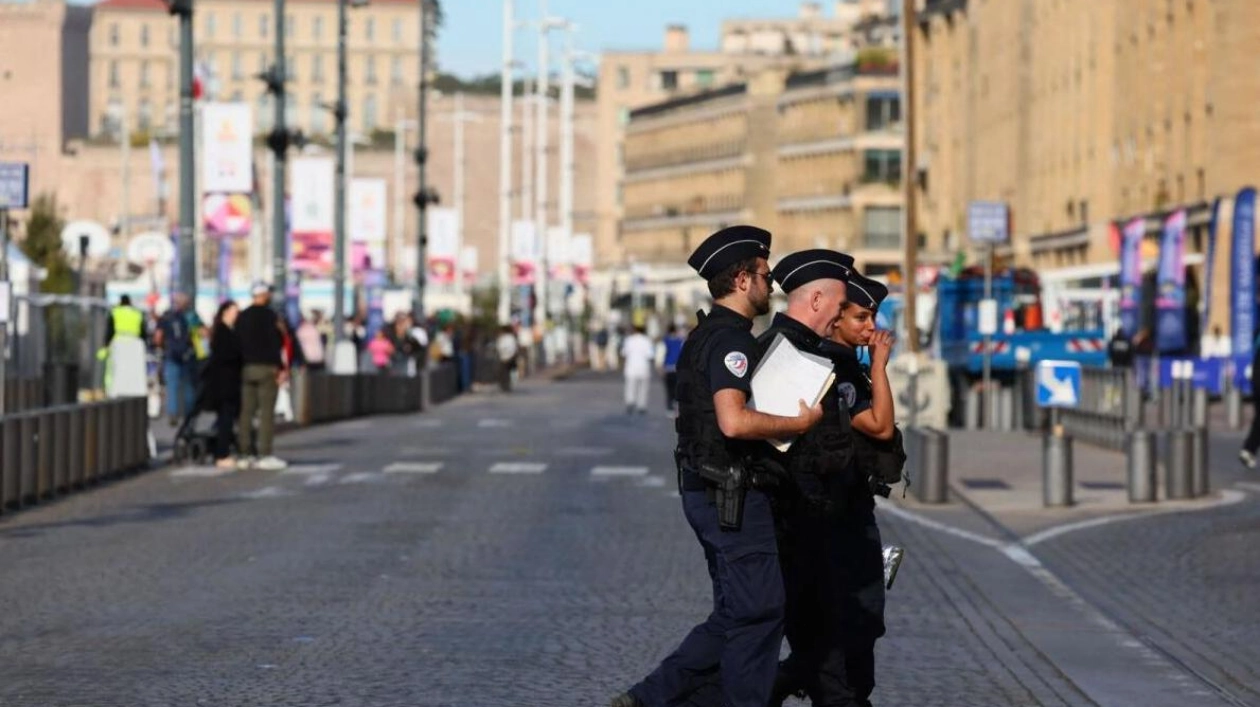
(723, 283)
(125, 300)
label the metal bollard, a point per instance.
(1199, 407)
(1141, 462)
(933, 481)
(1006, 409)
(1178, 482)
(1233, 408)
(971, 409)
(1056, 469)
(1199, 472)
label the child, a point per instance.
(382, 350)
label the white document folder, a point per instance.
(785, 376)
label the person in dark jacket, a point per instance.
(221, 381)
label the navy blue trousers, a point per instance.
(735, 649)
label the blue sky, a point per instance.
(471, 40)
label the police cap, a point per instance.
(806, 266)
(727, 247)
(865, 292)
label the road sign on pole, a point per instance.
(1058, 384)
(988, 221)
(15, 180)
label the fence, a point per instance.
(1110, 408)
(322, 397)
(47, 452)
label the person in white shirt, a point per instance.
(639, 356)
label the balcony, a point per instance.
(699, 210)
(690, 155)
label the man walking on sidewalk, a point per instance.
(638, 354)
(258, 328)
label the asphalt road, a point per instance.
(530, 550)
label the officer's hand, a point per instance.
(881, 347)
(809, 416)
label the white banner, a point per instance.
(558, 247)
(443, 232)
(468, 262)
(311, 189)
(227, 145)
(524, 242)
(367, 210)
(581, 250)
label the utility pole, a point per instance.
(280, 146)
(424, 195)
(183, 9)
(506, 81)
(340, 113)
(909, 176)
(541, 299)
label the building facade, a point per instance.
(813, 156)
(135, 70)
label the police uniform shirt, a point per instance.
(732, 353)
(853, 381)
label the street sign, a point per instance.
(988, 222)
(987, 318)
(15, 178)
(1058, 384)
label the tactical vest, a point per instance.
(128, 321)
(827, 448)
(700, 440)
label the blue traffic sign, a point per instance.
(14, 185)
(1058, 384)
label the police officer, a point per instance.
(738, 644)
(852, 557)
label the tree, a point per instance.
(42, 244)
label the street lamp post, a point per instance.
(340, 112)
(506, 81)
(424, 195)
(280, 144)
(183, 9)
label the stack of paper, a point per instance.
(786, 376)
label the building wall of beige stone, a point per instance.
(31, 123)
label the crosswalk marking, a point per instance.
(584, 451)
(361, 477)
(205, 472)
(425, 451)
(494, 423)
(619, 471)
(266, 492)
(517, 468)
(311, 469)
(652, 482)
(414, 468)
(317, 479)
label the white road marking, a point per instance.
(494, 423)
(652, 482)
(619, 471)
(1248, 486)
(361, 477)
(318, 479)
(892, 509)
(414, 468)
(517, 468)
(266, 492)
(205, 472)
(584, 451)
(424, 451)
(1228, 498)
(311, 469)
(429, 422)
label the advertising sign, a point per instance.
(15, 180)
(559, 256)
(1170, 296)
(988, 222)
(365, 225)
(468, 263)
(1242, 280)
(311, 188)
(443, 245)
(227, 215)
(1131, 275)
(227, 144)
(524, 253)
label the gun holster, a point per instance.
(729, 486)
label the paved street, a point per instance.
(529, 550)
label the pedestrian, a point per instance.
(833, 629)
(639, 357)
(599, 349)
(261, 336)
(1251, 445)
(506, 348)
(221, 382)
(406, 349)
(124, 351)
(311, 342)
(381, 349)
(672, 349)
(716, 432)
(1120, 350)
(175, 336)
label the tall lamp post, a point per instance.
(183, 9)
(506, 81)
(424, 195)
(340, 111)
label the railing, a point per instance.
(52, 451)
(685, 155)
(1110, 408)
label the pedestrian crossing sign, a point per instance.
(1058, 384)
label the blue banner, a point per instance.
(293, 300)
(1170, 293)
(1209, 373)
(1242, 279)
(1131, 275)
(374, 291)
(1209, 267)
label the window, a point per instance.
(397, 31)
(882, 227)
(290, 67)
(264, 113)
(264, 26)
(113, 35)
(317, 28)
(144, 116)
(210, 25)
(144, 35)
(144, 74)
(881, 166)
(317, 68)
(237, 72)
(369, 28)
(704, 78)
(623, 77)
(113, 74)
(238, 25)
(262, 62)
(669, 80)
(395, 71)
(369, 113)
(882, 111)
(289, 25)
(237, 96)
(317, 114)
(369, 75)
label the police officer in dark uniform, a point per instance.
(852, 556)
(720, 439)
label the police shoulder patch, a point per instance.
(848, 393)
(737, 363)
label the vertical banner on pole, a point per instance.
(468, 264)
(559, 258)
(1209, 268)
(443, 250)
(524, 253)
(582, 253)
(1131, 275)
(367, 224)
(227, 149)
(374, 292)
(311, 186)
(1243, 273)
(1170, 297)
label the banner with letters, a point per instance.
(581, 250)
(227, 147)
(524, 253)
(365, 226)
(558, 255)
(1170, 284)
(443, 245)
(1242, 280)
(468, 264)
(1209, 265)
(227, 215)
(311, 186)
(1131, 275)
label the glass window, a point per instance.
(263, 58)
(237, 71)
(144, 116)
(290, 67)
(210, 25)
(395, 71)
(144, 35)
(669, 80)
(264, 26)
(369, 28)
(317, 28)
(369, 113)
(113, 35)
(704, 78)
(113, 74)
(238, 25)
(237, 96)
(289, 25)
(144, 74)
(318, 114)
(264, 113)
(370, 70)
(398, 33)
(881, 166)
(882, 112)
(317, 68)
(882, 226)
(623, 77)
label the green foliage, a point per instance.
(485, 308)
(488, 85)
(42, 244)
(876, 59)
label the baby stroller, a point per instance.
(195, 437)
